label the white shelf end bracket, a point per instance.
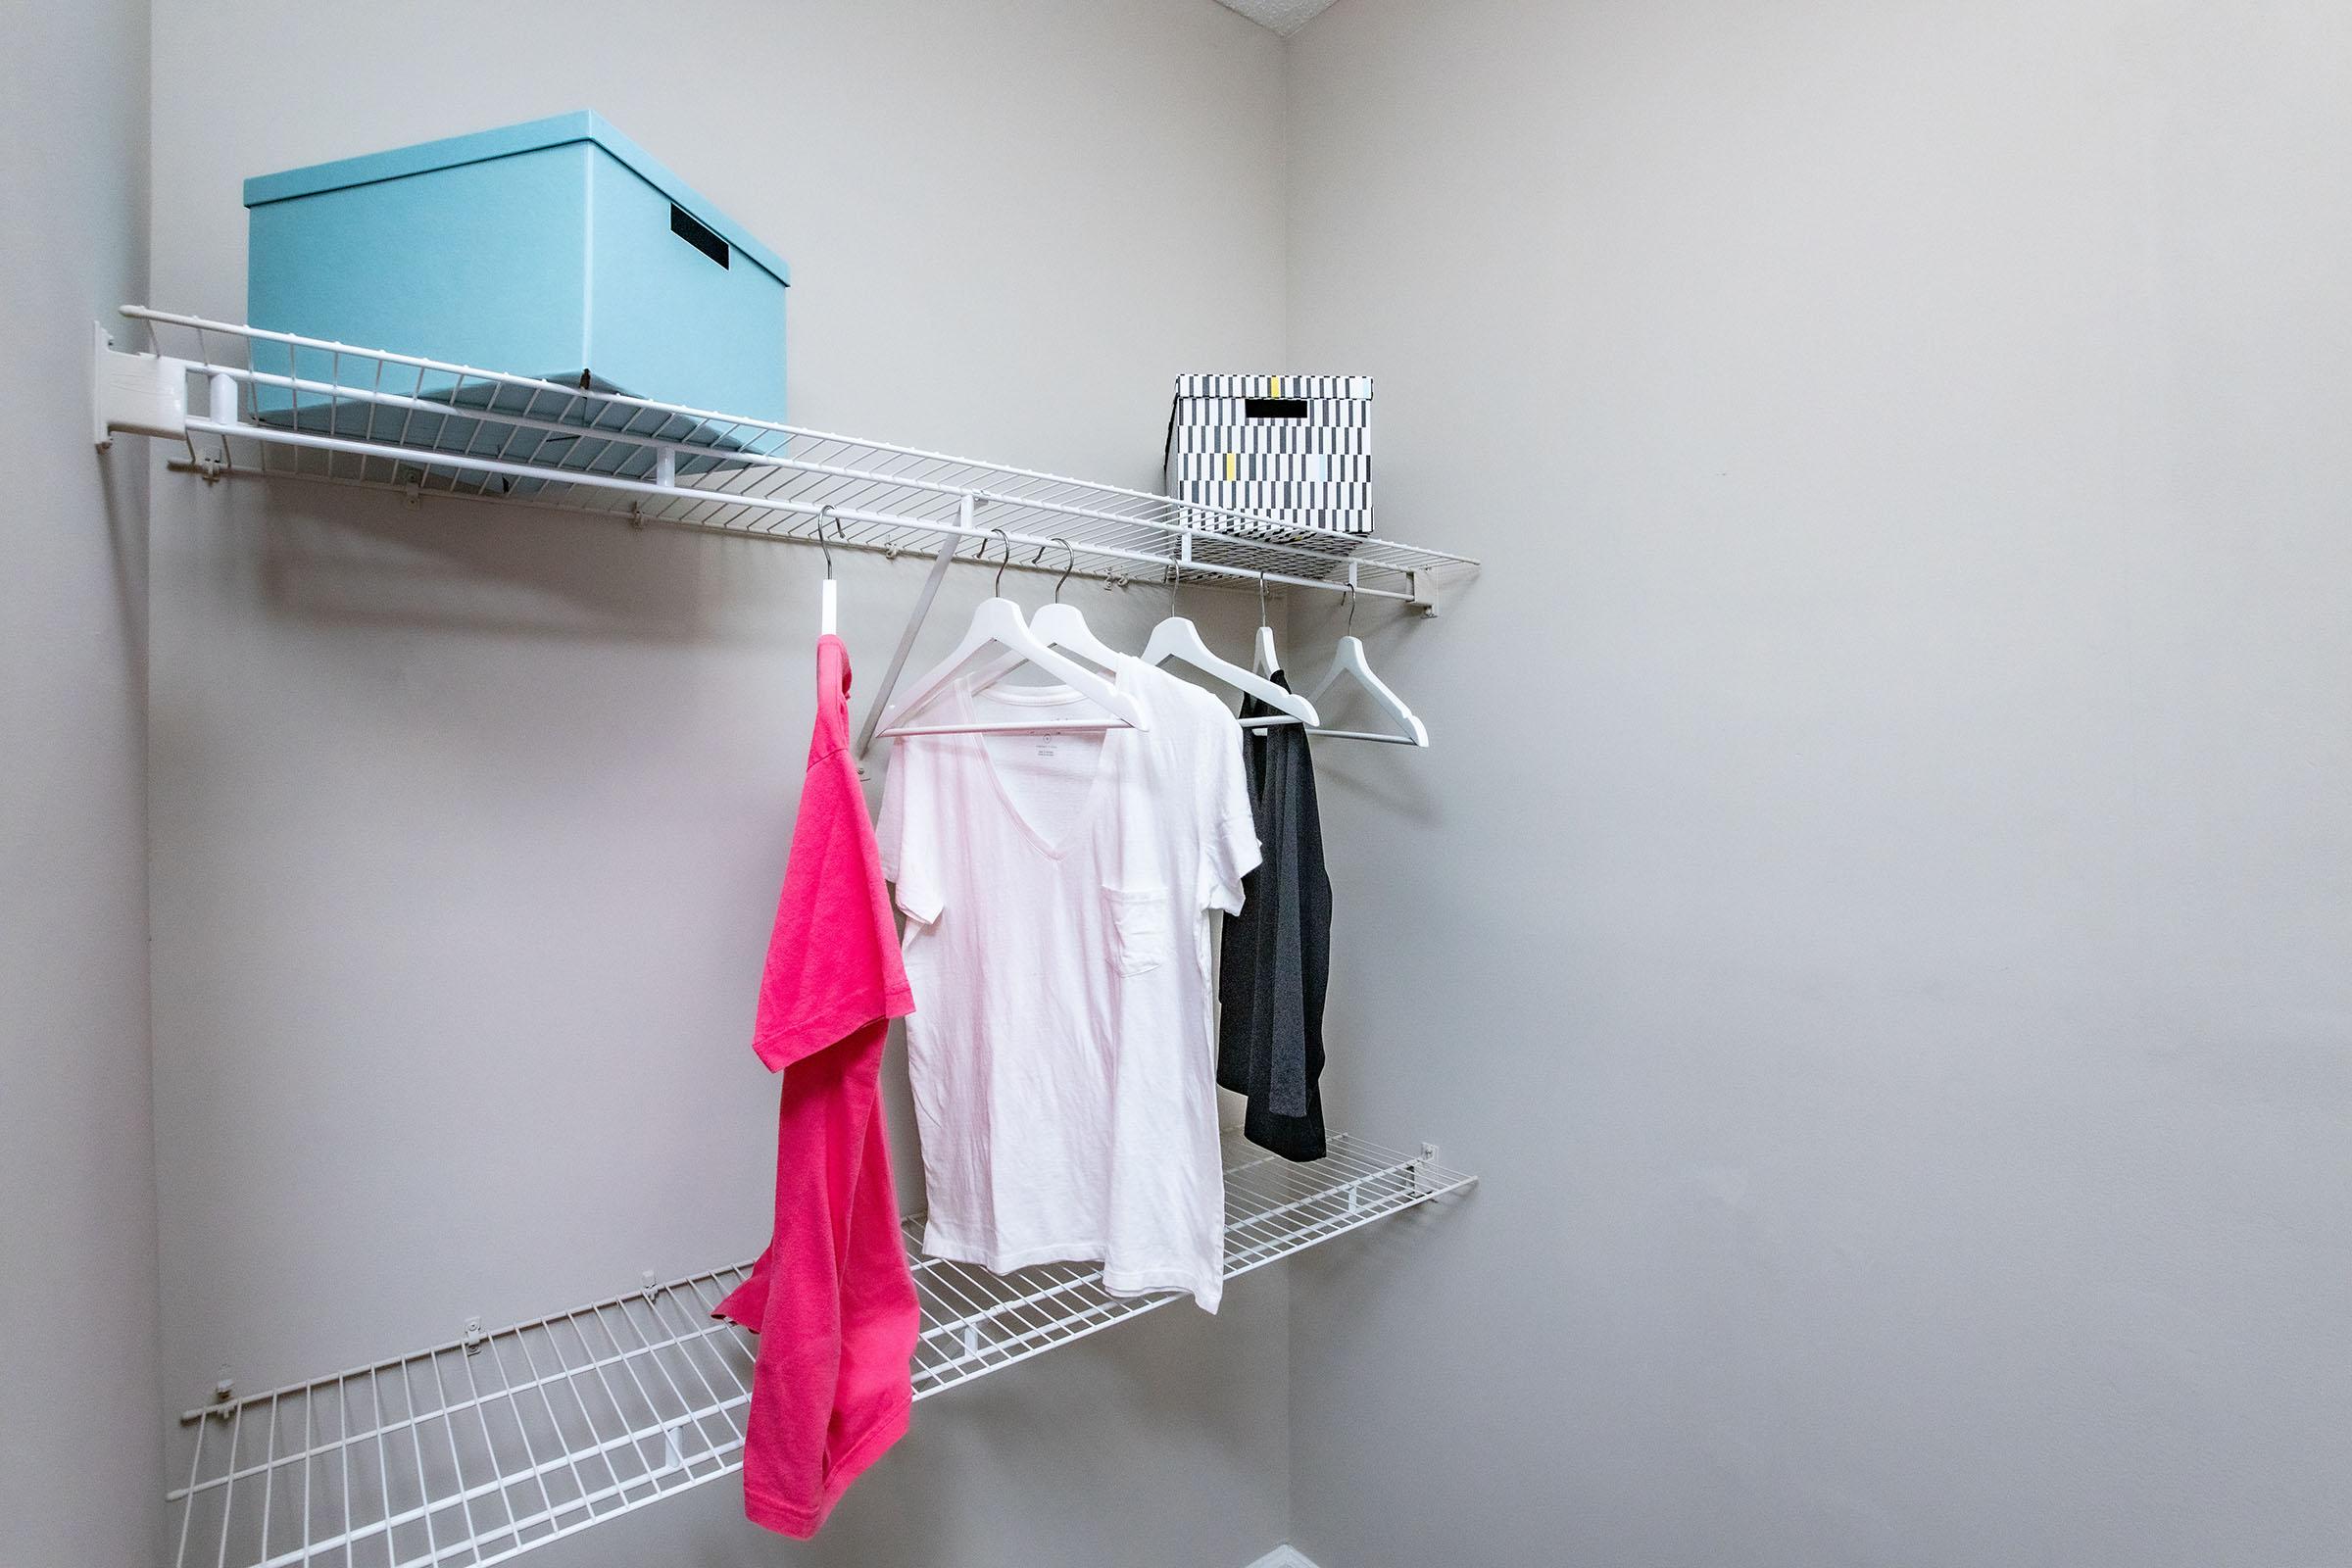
(145, 394)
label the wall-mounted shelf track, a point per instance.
(246, 400)
(475, 1452)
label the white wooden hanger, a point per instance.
(1347, 659)
(1178, 638)
(1059, 625)
(998, 623)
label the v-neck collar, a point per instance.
(1082, 823)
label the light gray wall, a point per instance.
(468, 820)
(81, 1473)
(1876, 910)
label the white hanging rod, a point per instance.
(927, 499)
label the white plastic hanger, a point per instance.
(825, 614)
(1348, 660)
(998, 623)
(1178, 638)
(1269, 664)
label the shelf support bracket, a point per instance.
(144, 394)
(1421, 592)
(940, 562)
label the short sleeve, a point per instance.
(1229, 838)
(833, 961)
(905, 835)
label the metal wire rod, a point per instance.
(645, 488)
(294, 341)
(348, 414)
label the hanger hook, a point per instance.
(822, 515)
(1351, 609)
(1070, 565)
(1262, 597)
(1006, 560)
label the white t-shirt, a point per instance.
(1057, 891)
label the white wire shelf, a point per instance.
(475, 1452)
(274, 403)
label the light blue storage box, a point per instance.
(555, 249)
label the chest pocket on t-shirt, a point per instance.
(1138, 928)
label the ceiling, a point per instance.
(1285, 17)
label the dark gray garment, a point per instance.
(1276, 959)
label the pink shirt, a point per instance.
(833, 961)
(831, 1298)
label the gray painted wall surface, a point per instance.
(1876, 910)
(81, 1473)
(1875, 913)
(468, 820)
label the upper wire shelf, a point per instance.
(280, 404)
(478, 1450)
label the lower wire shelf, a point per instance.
(475, 1452)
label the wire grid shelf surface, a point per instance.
(277, 403)
(472, 1452)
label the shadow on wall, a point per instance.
(1392, 779)
(123, 490)
(356, 557)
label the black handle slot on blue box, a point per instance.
(682, 225)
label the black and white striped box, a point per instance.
(1293, 447)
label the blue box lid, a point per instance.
(505, 143)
